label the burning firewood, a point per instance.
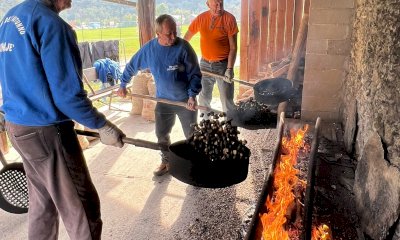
(323, 232)
(282, 218)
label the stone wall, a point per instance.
(371, 112)
(328, 48)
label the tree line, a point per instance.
(86, 11)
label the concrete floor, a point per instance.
(137, 205)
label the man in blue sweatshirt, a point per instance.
(177, 76)
(41, 80)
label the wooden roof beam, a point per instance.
(124, 2)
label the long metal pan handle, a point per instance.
(176, 103)
(221, 77)
(136, 142)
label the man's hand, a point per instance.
(111, 135)
(191, 104)
(229, 75)
(122, 92)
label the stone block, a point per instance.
(318, 4)
(324, 62)
(317, 75)
(376, 190)
(319, 46)
(320, 103)
(328, 31)
(307, 115)
(331, 16)
(339, 47)
(322, 88)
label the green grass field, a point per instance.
(129, 43)
(128, 37)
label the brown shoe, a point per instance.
(161, 170)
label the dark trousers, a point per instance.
(59, 183)
(165, 120)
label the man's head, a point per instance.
(216, 7)
(60, 5)
(166, 30)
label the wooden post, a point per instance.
(273, 5)
(306, 6)
(289, 27)
(280, 31)
(264, 32)
(298, 15)
(299, 46)
(254, 34)
(146, 17)
(244, 38)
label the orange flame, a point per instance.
(285, 178)
(323, 232)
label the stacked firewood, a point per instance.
(218, 140)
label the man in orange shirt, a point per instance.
(218, 43)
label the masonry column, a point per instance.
(328, 48)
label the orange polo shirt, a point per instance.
(214, 42)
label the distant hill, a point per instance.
(101, 11)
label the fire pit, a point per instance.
(284, 208)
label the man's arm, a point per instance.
(232, 51)
(136, 63)
(63, 69)
(188, 35)
(192, 69)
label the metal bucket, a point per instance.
(194, 168)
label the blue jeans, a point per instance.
(165, 120)
(226, 90)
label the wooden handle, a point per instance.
(2, 159)
(136, 142)
(221, 77)
(176, 103)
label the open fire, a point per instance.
(284, 213)
(322, 232)
(284, 203)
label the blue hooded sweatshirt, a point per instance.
(175, 69)
(41, 69)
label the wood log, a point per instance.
(299, 46)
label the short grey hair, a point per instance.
(163, 18)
